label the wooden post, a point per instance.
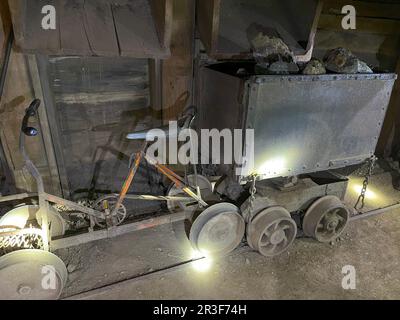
(5, 26)
(54, 169)
(389, 140)
(208, 16)
(177, 71)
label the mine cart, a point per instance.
(301, 130)
(305, 127)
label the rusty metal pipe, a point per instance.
(375, 212)
(128, 182)
(19, 196)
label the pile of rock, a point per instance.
(273, 56)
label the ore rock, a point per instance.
(314, 67)
(363, 67)
(269, 49)
(282, 67)
(341, 60)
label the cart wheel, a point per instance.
(271, 231)
(57, 223)
(21, 215)
(325, 219)
(31, 274)
(117, 218)
(217, 230)
(205, 189)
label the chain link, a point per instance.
(253, 191)
(361, 198)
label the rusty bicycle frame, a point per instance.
(176, 179)
(111, 230)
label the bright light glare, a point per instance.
(202, 265)
(369, 194)
(14, 220)
(273, 166)
(213, 185)
(202, 262)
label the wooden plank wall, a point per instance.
(97, 101)
(133, 28)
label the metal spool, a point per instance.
(28, 275)
(205, 189)
(217, 230)
(117, 218)
(13, 239)
(20, 216)
(271, 231)
(325, 219)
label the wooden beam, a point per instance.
(162, 11)
(208, 17)
(53, 141)
(45, 127)
(177, 71)
(155, 80)
(5, 27)
(5, 172)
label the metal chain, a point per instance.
(253, 191)
(371, 165)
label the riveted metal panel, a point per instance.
(307, 124)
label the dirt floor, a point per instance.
(308, 270)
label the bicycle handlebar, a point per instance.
(30, 112)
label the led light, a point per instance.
(202, 265)
(273, 166)
(369, 194)
(201, 262)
